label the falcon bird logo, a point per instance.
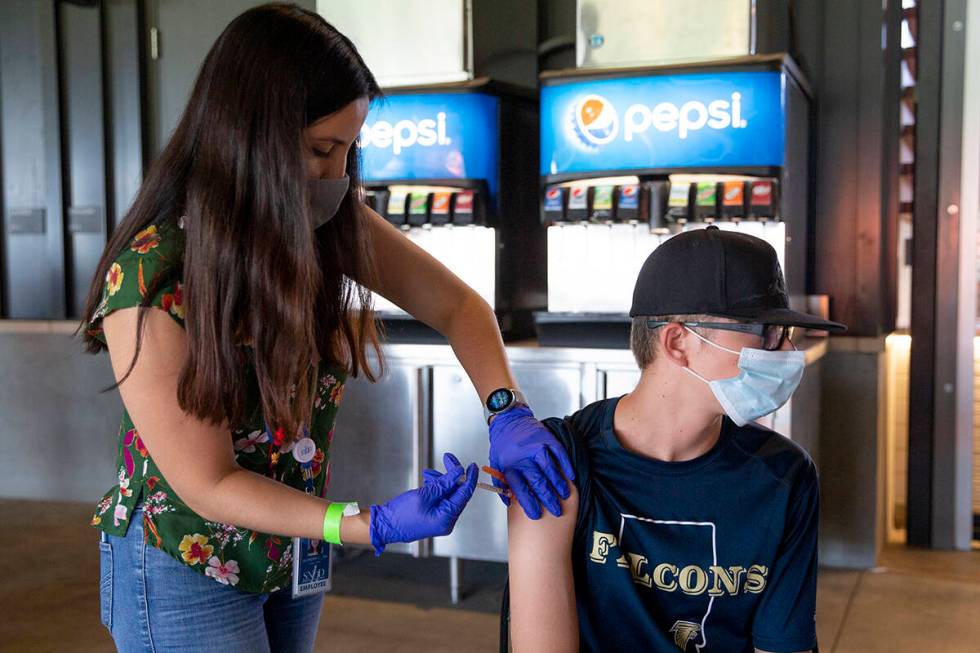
(684, 632)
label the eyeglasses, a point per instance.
(773, 335)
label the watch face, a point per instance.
(499, 400)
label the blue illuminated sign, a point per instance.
(431, 136)
(667, 121)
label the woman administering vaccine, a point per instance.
(234, 300)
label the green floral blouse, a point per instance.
(251, 561)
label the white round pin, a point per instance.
(304, 450)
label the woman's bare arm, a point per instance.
(197, 459)
(411, 278)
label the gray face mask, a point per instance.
(325, 198)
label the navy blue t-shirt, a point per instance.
(718, 553)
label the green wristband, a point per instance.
(331, 522)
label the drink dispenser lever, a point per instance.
(679, 205)
(443, 239)
(464, 203)
(628, 202)
(473, 244)
(762, 201)
(553, 209)
(439, 213)
(572, 276)
(553, 215)
(602, 203)
(418, 209)
(395, 211)
(733, 200)
(602, 250)
(706, 202)
(578, 204)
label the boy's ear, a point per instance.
(675, 345)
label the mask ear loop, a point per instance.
(689, 370)
(696, 375)
(713, 344)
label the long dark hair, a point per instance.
(253, 272)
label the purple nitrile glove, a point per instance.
(531, 459)
(428, 511)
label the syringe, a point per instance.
(487, 486)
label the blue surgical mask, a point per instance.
(325, 198)
(766, 380)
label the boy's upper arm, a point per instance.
(542, 589)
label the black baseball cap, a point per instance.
(720, 273)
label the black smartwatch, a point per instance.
(502, 400)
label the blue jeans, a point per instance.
(151, 602)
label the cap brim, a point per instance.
(790, 317)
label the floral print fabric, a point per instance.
(242, 558)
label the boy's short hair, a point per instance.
(643, 340)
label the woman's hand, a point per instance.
(428, 511)
(531, 459)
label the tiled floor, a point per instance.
(919, 601)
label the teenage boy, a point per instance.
(689, 526)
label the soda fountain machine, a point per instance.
(630, 157)
(453, 166)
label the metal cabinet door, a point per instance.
(184, 32)
(376, 451)
(32, 239)
(81, 31)
(458, 426)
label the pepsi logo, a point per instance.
(578, 191)
(595, 120)
(629, 191)
(553, 193)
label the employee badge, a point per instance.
(312, 566)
